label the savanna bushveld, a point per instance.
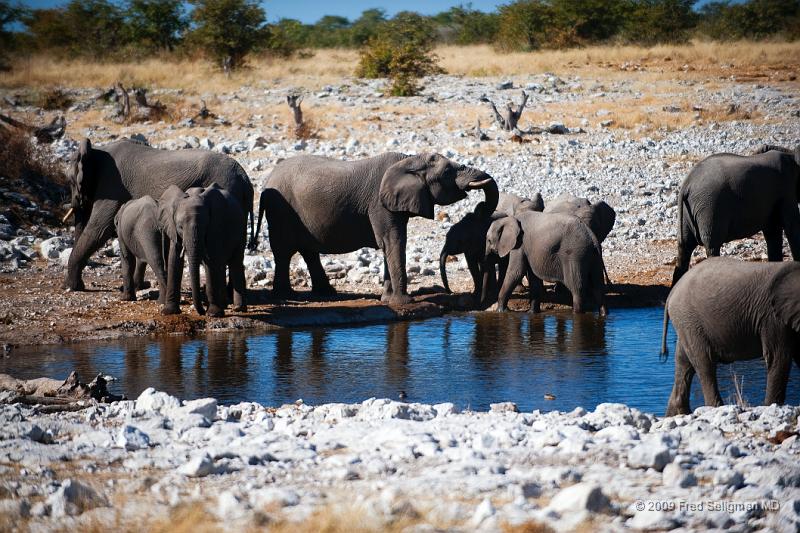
(208, 213)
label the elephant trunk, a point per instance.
(472, 179)
(443, 269)
(192, 245)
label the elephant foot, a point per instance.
(75, 286)
(325, 290)
(215, 311)
(128, 296)
(170, 310)
(674, 410)
(536, 307)
(398, 299)
(239, 309)
(144, 285)
(283, 293)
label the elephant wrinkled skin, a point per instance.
(319, 205)
(140, 244)
(727, 310)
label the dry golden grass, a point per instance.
(329, 66)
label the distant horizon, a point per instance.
(310, 11)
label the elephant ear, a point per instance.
(785, 294)
(404, 189)
(167, 205)
(83, 176)
(508, 238)
(603, 219)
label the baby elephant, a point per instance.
(727, 310)
(551, 247)
(210, 224)
(140, 244)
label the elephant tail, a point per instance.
(664, 353)
(253, 242)
(443, 269)
(262, 207)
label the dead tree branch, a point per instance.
(45, 134)
(508, 122)
(302, 128)
(124, 101)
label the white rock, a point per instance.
(63, 257)
(580, 497)
(648, 520)
(198, 466)
(51, 248)
(156, 401)
(132, 438)
(675, 476)
(73, 498)
(651, 453)
(202, 406)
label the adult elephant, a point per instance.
(726, 310)
(511, 204)
(320, 205)
(102, 179)
(728, 197)
(600, 217)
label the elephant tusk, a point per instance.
(69, 214)
(478, 184)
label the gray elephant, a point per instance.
(320, 205)
(210, 224)
(468, 237)
(140, 244)
(511, 204)
(102, 179)
(727, 310)
(728, 197)
(549, 247)
(600, 217)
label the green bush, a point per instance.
(401, 50)
(228, 29)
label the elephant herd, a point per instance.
(171, 207)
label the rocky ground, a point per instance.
(157, 463)
(629, 140)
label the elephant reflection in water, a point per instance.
(397, 359)
(227, 362)
(315, 375)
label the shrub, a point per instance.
(227, 30)
(401, 50)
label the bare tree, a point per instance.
(45, 134)
(509, 120)
(124, 101)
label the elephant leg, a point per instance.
(281, 286)
(517, 267)
(98, 230)
(239, 282)
(536, 288)
(686, 245)
(790, 217)
(712, 251)
(216, 290)
(475, 272)
(682, 386)
(138, 275)
(153, 253)
(172, 298)
(387, 280)
(319, 280)
(394, 250)
(127, 260)
(706, 367)
(773, 235)
(489, 283)
(779, 363)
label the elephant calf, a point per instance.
(140, 244)
(727, 310)
(468, 237)
(210, 224)
(551, 247)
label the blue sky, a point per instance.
(310, 11)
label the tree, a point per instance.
(659, 21)
(287, 36)
(9, 14)
(469, 26)
(227, 30)
(402, 51)
(366, 26)
(156, 24)
(586, 21)
(524, 25)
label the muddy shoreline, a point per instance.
(36, 311)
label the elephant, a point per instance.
(319, 205)
(468, 237)
(549, 247)
(727, 310)
(210, 224)
(728, 197)
(102, 179)
(511, 204)
(600, 217)
(140, 244)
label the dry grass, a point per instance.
(745, 58)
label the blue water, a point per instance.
(471, 360)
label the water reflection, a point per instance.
(471, 360)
